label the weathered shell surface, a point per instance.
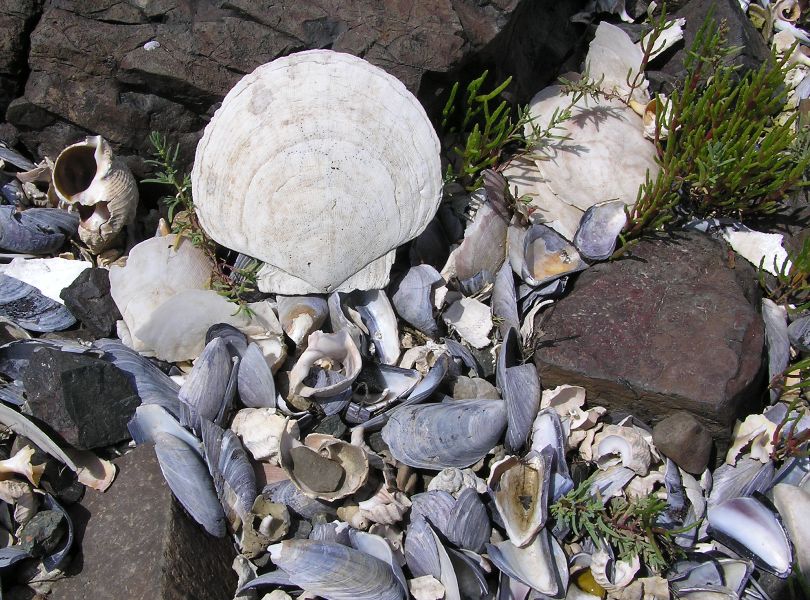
(336, 572)
(37, 230)
(793, 504)
(452, 434)
(581, 169)
(520, 489)
(190, 481)
(309, 155)
(600, 226)
(156, 270)
(540, 255)
(336, 347)
(28, 307)
(87, 174)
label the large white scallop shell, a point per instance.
(320, 165)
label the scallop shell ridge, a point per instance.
(368, 170)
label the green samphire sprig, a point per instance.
(231, 283)
(726, 153)
(630, 527)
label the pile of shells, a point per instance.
(364, 439)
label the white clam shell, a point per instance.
(156, 270)
(87, 173)
(581, 169)
(793, 504)
(309, 155)
(471, 319)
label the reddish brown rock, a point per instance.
(670, 327)
(137, 543)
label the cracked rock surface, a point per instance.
(87, 71)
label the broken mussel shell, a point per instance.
(749, 527)
(323, 467)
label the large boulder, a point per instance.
(92, 73)
(673, 326)
(137, 543)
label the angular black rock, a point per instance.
(89, 299)
(86, 400)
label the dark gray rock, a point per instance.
(683, 438)
(137, 543)
(90, 73)
(17, 19)
(670, 327)
(42, 534)
(86, 400)
(88, 299)
(331, 425)
(752, 49)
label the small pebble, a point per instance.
(315, 471)
(331, 425)
(685, 440)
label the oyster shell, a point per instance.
(87, 174)
(318, 147)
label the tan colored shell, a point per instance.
(88, 174)
(616, 444)
(320, 165)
